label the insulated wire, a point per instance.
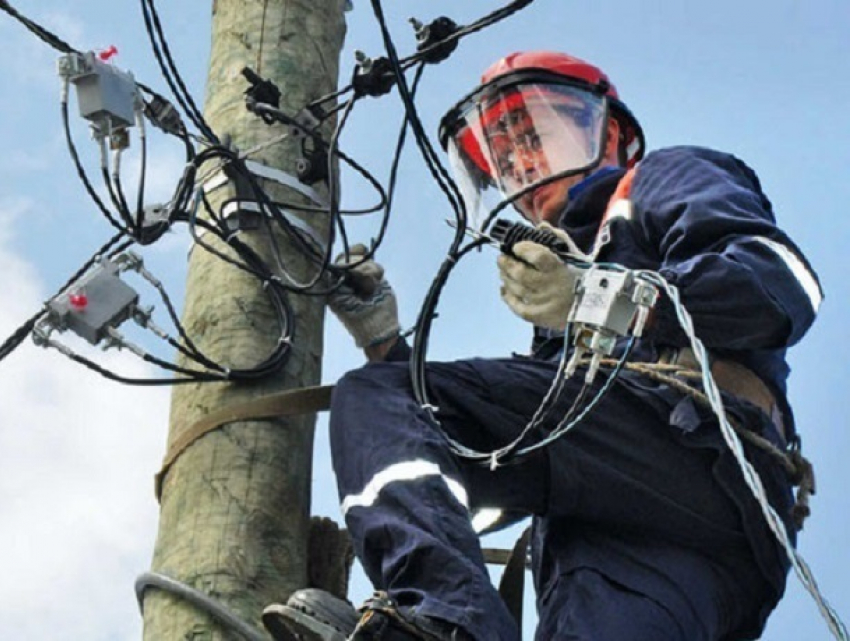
(420, 57)
(46, 36)
(170, 72)
(438, 171)
(140, 195)
(392, 181)
(81, 172)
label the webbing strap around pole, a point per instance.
(305, 400)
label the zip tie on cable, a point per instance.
(494, 461)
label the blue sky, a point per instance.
(767, 81)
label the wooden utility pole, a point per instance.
(235, 505)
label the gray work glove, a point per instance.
(537, 285)
(365, 304)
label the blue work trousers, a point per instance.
(643, 528)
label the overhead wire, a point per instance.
(43, 34)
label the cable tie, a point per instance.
(494, 461)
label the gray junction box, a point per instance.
(107, 96)
(110, 301)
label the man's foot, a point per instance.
(311, 615)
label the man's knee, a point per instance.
(363, 400)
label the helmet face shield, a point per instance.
(519, 133)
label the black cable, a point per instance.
(187, 347)
(438, 171)
(393, 177)
(266, 204)
(148, 382)
(140, 195)
(490, 19)
(199, 599)
(19, 335)
(162, 54)
(427, 313)
(81, 172)
(46, 36)
(262, 109)
(423, 55)
(391, 184)
(118, 201)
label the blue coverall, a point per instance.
(643, 527)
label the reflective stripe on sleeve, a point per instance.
(798, 268)
(407, 471)
(485, 517)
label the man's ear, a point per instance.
(613, 143)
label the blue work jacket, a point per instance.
(700, 218)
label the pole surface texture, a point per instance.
(235, 506)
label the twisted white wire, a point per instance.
(751, 477)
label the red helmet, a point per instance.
(535, 118)
(575, 69)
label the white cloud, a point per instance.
(77, 458)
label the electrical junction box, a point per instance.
(605, 300)
(98, 301)
(107, 96)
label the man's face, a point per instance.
(532, 143)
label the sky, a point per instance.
(766, 81)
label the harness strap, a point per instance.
(305, 400)
(734, 379)
(512, 584)
(798, 469)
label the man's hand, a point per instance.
(366, 304)
(537, 285)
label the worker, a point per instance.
(643, 527)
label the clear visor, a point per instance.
(518, 145)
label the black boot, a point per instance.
(311, 615)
